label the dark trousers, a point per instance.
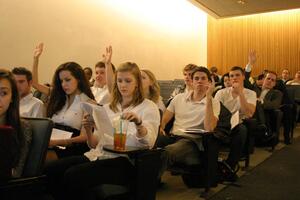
(238, 138)
(288, 121)
(182, 151)
(73, 177)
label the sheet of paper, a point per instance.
(60, 134)
(101, 119)
(235, 119)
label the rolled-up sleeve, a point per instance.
(151, 120)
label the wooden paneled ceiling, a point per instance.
(230, 8)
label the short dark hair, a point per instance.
(235, 68)
(22, 71)
(201, 69)
(101, 64)
(271, 72)
(89, 69)
(214, 69)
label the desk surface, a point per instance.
(127, 150)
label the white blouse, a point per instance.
(73, 115)
(148, 112)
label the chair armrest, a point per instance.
(14, 184)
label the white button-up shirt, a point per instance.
(233, 104)
(102, 95)
(31, 106)
(190, 113)
(73, 115)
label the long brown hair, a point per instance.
(13, 114)
(58, 95)
(138, 96)
(154, 89)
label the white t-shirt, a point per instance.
(233, 104)
(73, 115)
(102, 95)
(149, 114)
(31, 106)
(190, 113)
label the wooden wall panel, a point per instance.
(274, 36)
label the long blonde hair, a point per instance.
(138, 96)
(154, 89)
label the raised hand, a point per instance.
(252, 57)
(236, 89)
(107, 56)
(88, 123)
(211, 88)
(38, 50)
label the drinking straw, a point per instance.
(121, 126)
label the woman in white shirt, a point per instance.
(69, 88)
(151, 89)
(76, 175)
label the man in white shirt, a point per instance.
(196, 108)
(29, 105)
(237, 98)
(100, 89)
(187, 71)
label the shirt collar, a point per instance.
(188, 97)
(27, 97)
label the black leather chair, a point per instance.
(147, 164)
(30, 185)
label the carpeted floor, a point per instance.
(277, 178)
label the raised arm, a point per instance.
(35, 80)
(251, 61)
(210, 121)
(247, 108)
(109, 68)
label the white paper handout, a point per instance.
(99, 116)
(235, 119)
(58, 134)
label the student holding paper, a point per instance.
(14, 155)
(74, 176)
(69, 88)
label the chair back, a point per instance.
(148, 164)
(42, 128)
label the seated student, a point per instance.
(224, 83)
(72, 177)
(88, 72)
(285, 75)
(187, 71)
(296, 80)
(29, 105)
(10, 116)
(237, 98)
(270, 100)
(288, 109)
(100, 89)
(215, 75)
(194, 109)
(151, 88)
(69, 89)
